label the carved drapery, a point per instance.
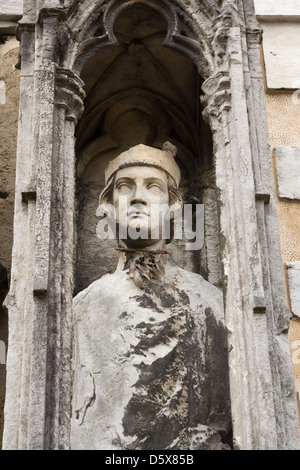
(222, 39)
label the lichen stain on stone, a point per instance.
(157, 295)
(123, 315)
(152, 338)
(158, 409)
(146, 301)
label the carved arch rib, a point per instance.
(189, 34)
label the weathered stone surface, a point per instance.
(281, 48)
(11, 8)
(3, 350)
(211, 244)
(10, 12)
(293, 272)
(8, 136)
(271, 8)
(150, 365)
(287, 160)
(2, 398)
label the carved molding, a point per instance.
(69, 93)
(217, 96)
(188, 46)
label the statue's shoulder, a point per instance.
(103, 295)
(100, 287)
(194, 280)
(198, 289)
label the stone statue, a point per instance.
(150, 354)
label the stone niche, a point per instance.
(142, 92)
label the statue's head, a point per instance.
(139, 182)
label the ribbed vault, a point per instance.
(191, 28)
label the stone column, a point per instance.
(39, 301)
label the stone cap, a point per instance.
(148, 156)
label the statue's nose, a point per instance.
(138, 196)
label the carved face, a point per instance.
(140, 192)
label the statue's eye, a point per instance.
(123, 186)
(154, 187)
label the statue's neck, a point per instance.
(136, 253)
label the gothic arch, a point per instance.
(185, 32)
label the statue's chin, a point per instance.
(144, 244)
(138, 234)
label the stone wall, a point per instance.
(284, 116)
(280, 64)
(9, 103)
(9, 80)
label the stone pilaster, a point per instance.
(42, 272)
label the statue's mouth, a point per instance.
(135, 213)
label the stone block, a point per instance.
(284, 7)
(10, 9)
(293, 273)
(281, 49)
(287, 161)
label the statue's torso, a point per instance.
(149, 364)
